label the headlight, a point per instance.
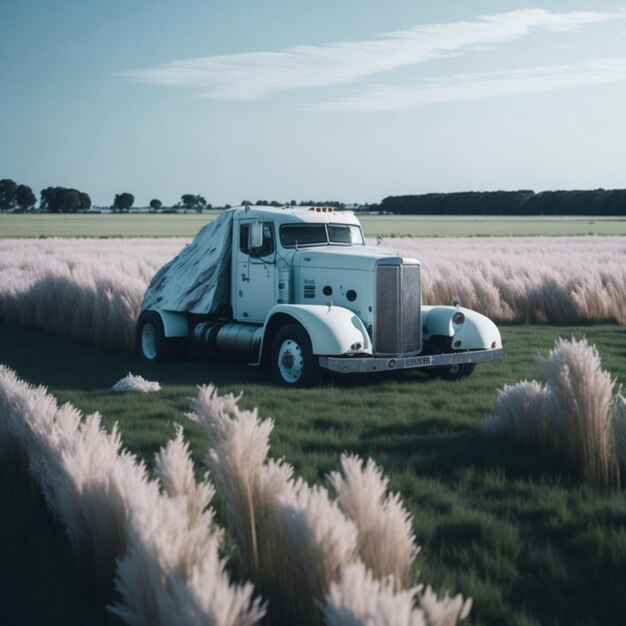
(458, 318)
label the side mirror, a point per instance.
(255, 235)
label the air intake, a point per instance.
(398, 328)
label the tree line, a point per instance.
(522, 202)
(14, 197)
(19, 197)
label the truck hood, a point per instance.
(341, 258)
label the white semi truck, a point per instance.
(298, 290)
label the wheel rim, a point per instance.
(149, 341)
(290, 361)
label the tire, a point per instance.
(152, 344)
(453, 372)
(293, 363)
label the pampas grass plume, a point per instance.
(358, 599)
(570, 416)
(385, 529)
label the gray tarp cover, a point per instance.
(198, 279)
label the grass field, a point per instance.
(497, 523)
(147, 225)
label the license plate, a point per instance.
(418, 361)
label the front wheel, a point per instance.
(292, 359)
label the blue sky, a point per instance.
(285, 99)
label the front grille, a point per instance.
(398, 328)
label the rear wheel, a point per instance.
(152, 344)
(292, 360)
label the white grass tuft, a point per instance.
(314, 542)
(446, 611)
(523, 410)
(172, 572)
(239, 444)
(385, 529)
(294, 539)
(358, 599)
(132, 383)
(570, 416)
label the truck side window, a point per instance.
(268, 240)
(244, 231)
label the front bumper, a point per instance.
(356, 365)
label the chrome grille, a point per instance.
(398, 310)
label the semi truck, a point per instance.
(297, 290)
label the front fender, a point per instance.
(475, 333)
(333, 330)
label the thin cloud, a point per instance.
(257, 75)
(479, 86)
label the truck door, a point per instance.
(255, 279)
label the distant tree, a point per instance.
(44, 199)
(246, 203)
(123, 201)
(193, 202)
(70, 200)
(85, 201)
(155, 204)
(25, 198)
(293, 203)
(276, 203)
(227, 206)
(7, 194)
(63, 200)
(49, 200)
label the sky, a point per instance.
(350, 100)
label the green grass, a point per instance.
(495, 521)
(147, 225)
(490, 226)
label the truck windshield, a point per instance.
(300, 235)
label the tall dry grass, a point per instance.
(573, 416)
(556, 280)
(173, 572)
(87, 480)
(386, 540)
(359, 599)
(86, 289)
(162, 531)
(317, 557)
(298, 543)
(91, 289)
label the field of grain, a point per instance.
(187, 225)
